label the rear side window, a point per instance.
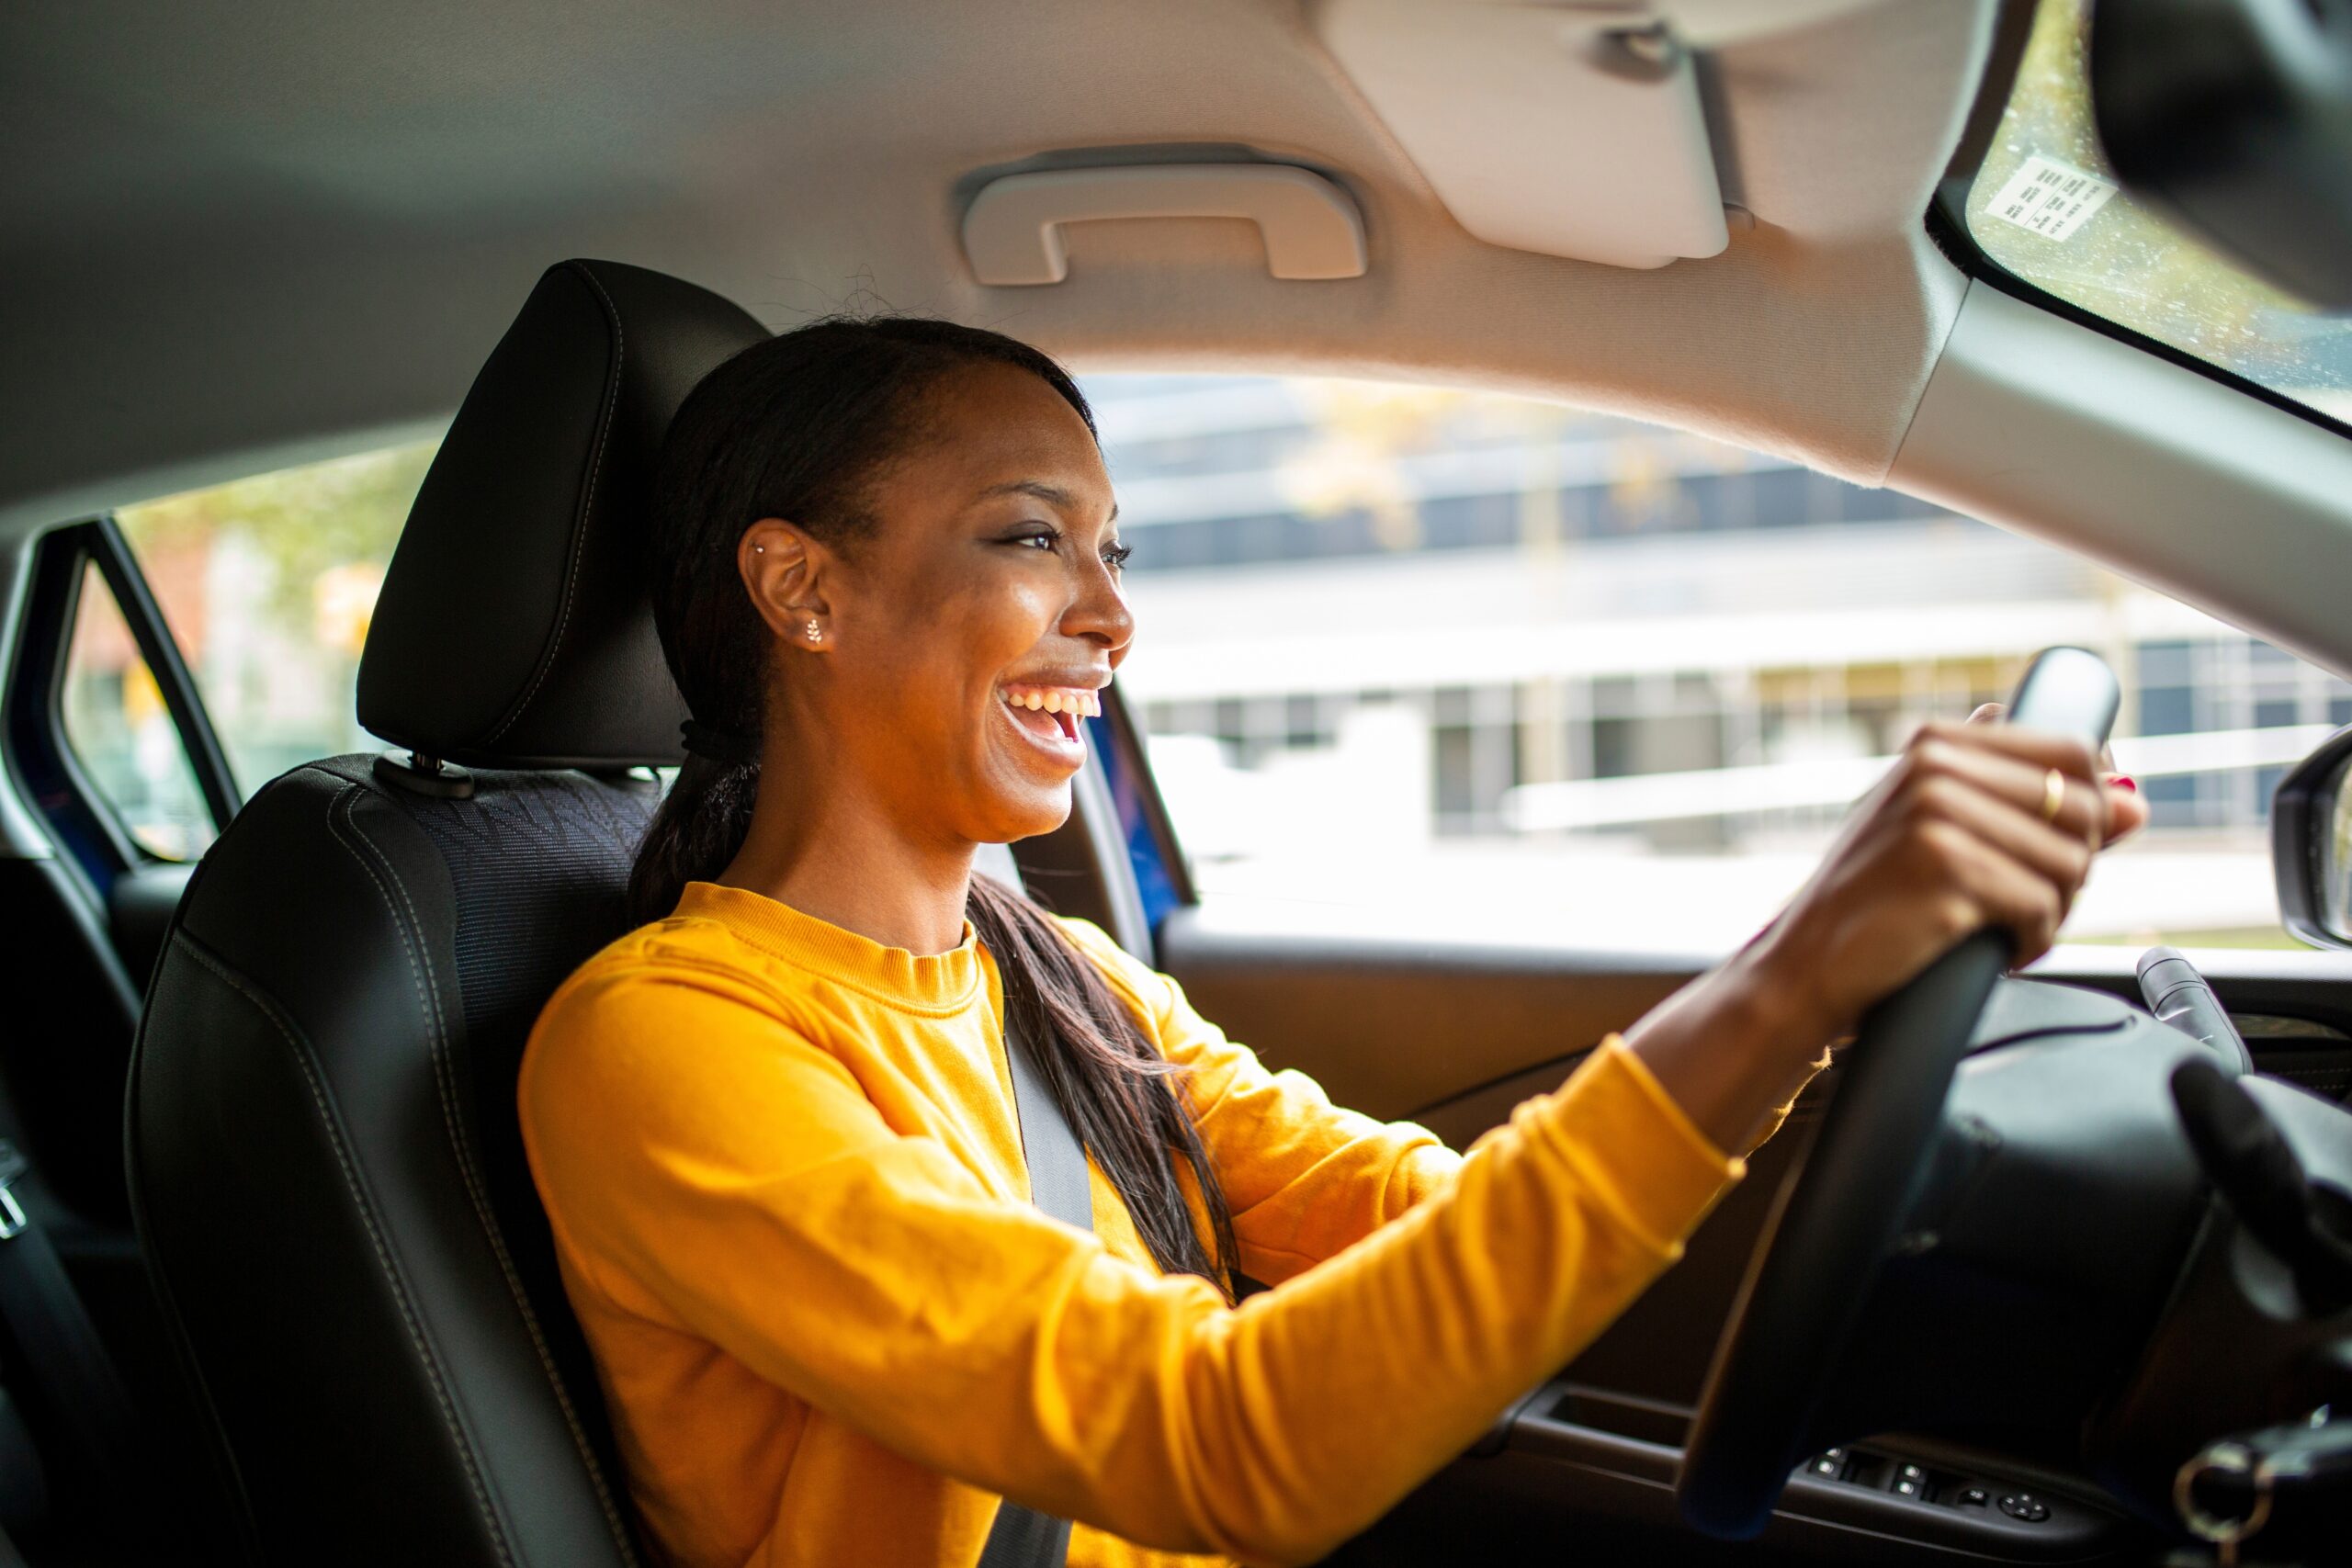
(269, 584)
(123, 736)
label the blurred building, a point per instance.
(1525, 602)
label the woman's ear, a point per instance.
(784, 571)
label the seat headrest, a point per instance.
(515, 629)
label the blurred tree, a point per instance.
(269, 584)
(305, 522)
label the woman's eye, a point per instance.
(1116, 556)
(1046, 538)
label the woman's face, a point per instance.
(988, 583)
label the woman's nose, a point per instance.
(1100, 611)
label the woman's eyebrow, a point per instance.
(1052, 495)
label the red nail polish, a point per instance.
(2123, 781)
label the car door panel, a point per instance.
(1396, 1026)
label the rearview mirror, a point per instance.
(2236, 117)
(2311, 845)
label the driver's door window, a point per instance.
(1487, 664)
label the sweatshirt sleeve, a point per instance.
(1306, 1178)
(709, 1168)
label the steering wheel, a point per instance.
(1840, 1210)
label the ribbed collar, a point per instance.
(935, 983)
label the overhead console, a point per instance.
(1573, 129)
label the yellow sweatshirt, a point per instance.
(786, 1180)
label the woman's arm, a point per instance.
(1306, 1179)
(710, 1170)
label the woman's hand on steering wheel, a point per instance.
(1976, 825)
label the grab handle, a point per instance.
(1012, 230)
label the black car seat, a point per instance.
(324, 1159)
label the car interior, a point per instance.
(2056, 1267)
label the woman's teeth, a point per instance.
(1074, 700)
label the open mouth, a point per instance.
(1050, 714)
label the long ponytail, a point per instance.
(797, 427)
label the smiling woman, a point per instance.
(848, 679)
(776, 1129)
(790, 616)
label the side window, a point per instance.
(130, 749)
(1481, 662)
(269, 584)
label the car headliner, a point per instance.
(233, 224)
(238, 233)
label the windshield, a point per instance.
(2044, 205)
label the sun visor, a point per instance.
(1567, 130)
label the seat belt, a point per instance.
(1022, 1537)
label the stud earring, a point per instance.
(816, 632)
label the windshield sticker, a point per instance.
(2050, 199)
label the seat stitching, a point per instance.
(444, 1076)
(311, 1077)
(580, 524)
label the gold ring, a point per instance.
(2053, 795)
